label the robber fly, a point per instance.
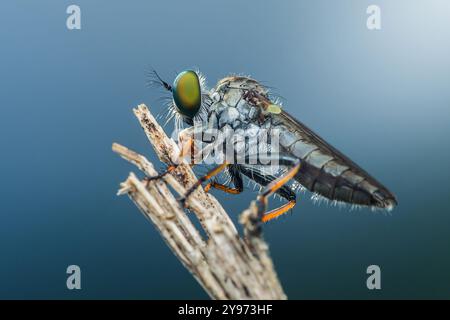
(244, 104)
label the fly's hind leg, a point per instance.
(283, 191)
(272, 214)
(277, 186)
(273, 187)
(235, 178)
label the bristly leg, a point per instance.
(186, 148)
(273, 187)
(161, 175)
(222, 187)
(235, 178)
(212, 173)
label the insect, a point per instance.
(244, 105)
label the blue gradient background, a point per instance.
(382, 97)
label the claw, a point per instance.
(182, 201)
(159, 176)
(261, 205)
(147, 180)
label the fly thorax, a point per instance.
(234, 115)
(235, 92)
(230, 116)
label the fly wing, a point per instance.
(325, 170)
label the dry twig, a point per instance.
(226, 265)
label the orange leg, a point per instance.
(187, 147)
(161, 175)
(222, 187)
(278, 212)
(206, 177)
(270, 189)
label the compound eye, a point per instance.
(187, 93)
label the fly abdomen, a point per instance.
(359, 188)
(340, 182)
(335, 177)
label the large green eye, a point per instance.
(187, 93)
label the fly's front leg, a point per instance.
(187, 147)
(215, 138)
(161, 175)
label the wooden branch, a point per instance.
(226, 265)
